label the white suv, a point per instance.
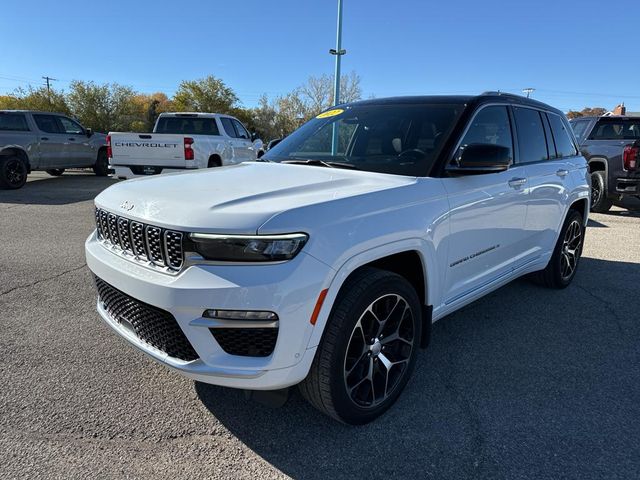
(325, 264)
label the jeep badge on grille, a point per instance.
(126, 205)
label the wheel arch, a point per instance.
(598, 164)
(214, 160)
(11, 151)
(580, 205)
(409, 258)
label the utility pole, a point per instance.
(48, 80)
(338, 52)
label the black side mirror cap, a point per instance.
(480, 158)
(89, 132)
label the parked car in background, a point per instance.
(181, 141)
(611, 145)
(326, 263)
(31, 140)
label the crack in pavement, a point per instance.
(611, 306)
(32, 284)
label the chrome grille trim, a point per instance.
(153, 236)
(152, 246)
(139, 247)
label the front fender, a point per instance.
(333, 285)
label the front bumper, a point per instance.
(124, 173)
(289, 289)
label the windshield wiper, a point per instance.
(321, 163)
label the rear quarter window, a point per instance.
(562, 137)
(13, 122)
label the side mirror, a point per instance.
(254, 136)
(479, 158)
(88, 131)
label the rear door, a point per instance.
(547, 172)
(238, 144)
(244, 139)
(54, 146)
(487, 212)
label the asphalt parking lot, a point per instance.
(525, 383)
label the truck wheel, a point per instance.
(368, 349)
(55, 172)
(600, 202)
(13, 173)
(566, 254)
(101, 167)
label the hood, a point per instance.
(238, 198)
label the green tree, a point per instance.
(277, 118)
(104, 108)
(35, 99)
(208, 94)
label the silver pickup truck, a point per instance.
(52, 142)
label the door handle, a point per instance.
(517, 182)
(562, 172)
(44, 138)
(72, 139)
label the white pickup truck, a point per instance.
(180, 141)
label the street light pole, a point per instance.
(338, 52)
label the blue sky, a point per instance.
(575, 53)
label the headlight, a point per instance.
(248, 248)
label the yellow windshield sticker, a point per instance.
(331, 113)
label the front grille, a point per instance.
(157, 245)
(152, 325)
(246, 342)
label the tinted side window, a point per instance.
(47, 123)
(227, 124)
(242, 132)
(564, 142)
(15, 122)
(531, 139)
(70, 127)
(490, 125)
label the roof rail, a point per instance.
(498, 92)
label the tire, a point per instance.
(556, 275)
(55, 172)
(600, 201)
(13, 172)
(101, 167)
(348, 366)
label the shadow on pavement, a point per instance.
(69, 188)
(524, 383)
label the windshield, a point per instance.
(401, 139)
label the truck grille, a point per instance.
(152, 325)
(159, 246)
(246, 342)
